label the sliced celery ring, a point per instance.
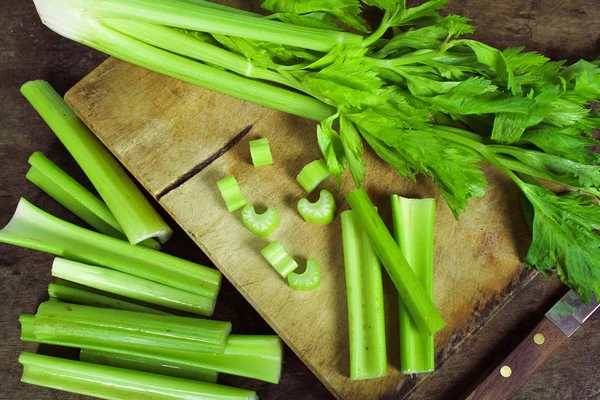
(260, 224)
(260, 152)
(320, 212)
(308, 280)
(312, 174)
(279, 258)
(231, 192)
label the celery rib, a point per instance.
(117, 383)
(364, 290)
(33, 228)
(131, 209)
(414, 231)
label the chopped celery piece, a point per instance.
(308, 280)
(132, 287)
(130, 208)
(257, 357)
(321, 212)
(118, 383)
(33, 228)
(260, 224)
(144, 364)
(279, 259)
(364, 289)
(260, 152)
(231, 192)
(312, 174)
(63, 321)
(413, 229)
(84, 297)
(418, 303)
(67, 191)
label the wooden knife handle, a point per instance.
(520, 365)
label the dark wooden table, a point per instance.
(558, 28)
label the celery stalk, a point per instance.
(257, 357)
(130, 208)
(84, 297)
(364, 289)
(33, 228)
(136, 363)
(79, 26)
(67, 191)
(132, 287)
(117, 383)
(64, 321)
(418, 303)
(414, 230)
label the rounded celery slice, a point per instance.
(312, 174)
(279, 259)
(231, 192)
(308, 280)
(260, 152)
(260, 224)
(320, 212)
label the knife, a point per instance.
(560, 322)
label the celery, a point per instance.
(84, 297)
(117, 383)
(418, 303)
(260, 152)
(63, 321)
(364, 289)
(413, 229)
(67, 191)
(143, 364)
(308, 280)
(261, 225)
(312, 174)
(257, 357)
(33, 228)
(231, 192)
(132, 287)
(130, 208)
(320, 212)
(279, 259)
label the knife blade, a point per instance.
(560, 322)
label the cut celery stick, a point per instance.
(413, 229)
(261, 225)
(137, 363)
(87, 298)
(67, 191)
(257, 357)
(418, 303)
(64, 321)
(313, 174)
(130, 208)
(231, 192)
(260, 152)
(364, 290)
(308, 280)
(132, 287)
(279, 259)
(33, 228)
(118, 383)
(321, 212)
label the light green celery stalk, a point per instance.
(364, 289)
(64, 321)
(414, 230)
(136, 363)
(130, 286)
(33, 228)
(418, 303)
(79, 26)
(130, 208)
(82, 295)
(256, 357)
(117, 383)
(67, 191)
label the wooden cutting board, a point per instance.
(178, 140)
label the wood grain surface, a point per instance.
(29, 52)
